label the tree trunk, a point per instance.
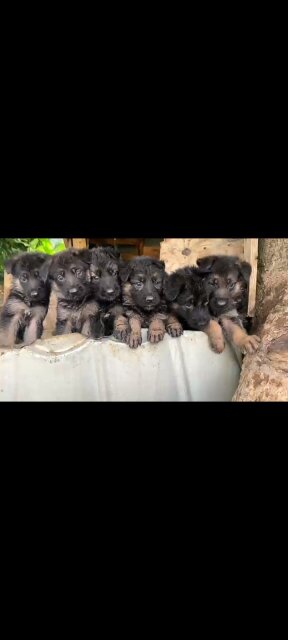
(264, 376)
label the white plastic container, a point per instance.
(71, 368)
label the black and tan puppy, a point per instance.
(106, 288)
(77, 311)
(144, 302)
(24, 311)
(226, 285)
(187, 300)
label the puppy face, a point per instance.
(143, 281)
(104, 270)
(29, 272)
(183, 289)
(226, 281)
(69, 270)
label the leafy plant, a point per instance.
(10, 246)
(44, 245)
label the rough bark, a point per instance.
(264, 376)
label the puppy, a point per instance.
(106, 288)
(77, 311)
(22, 316)
(187, 300)
(144, 302)
(226, 284)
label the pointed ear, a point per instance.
(206, 264)
(112, 253)
(125, 271)
(172, 286)
(44, 269)
(245, 269)
(83, 254)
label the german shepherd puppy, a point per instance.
(77, 311)
(187, 300)
(144, 302)
(22, 316)
(106, 288)
(226, 283)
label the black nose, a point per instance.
(149, 298)
(73, 290)
(110, 290)
(34, 293)
(222, 301)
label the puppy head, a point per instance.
(182, 287)
(30, 273)
(144, 279)
(70, 272)
(104, 269)
(226, 280)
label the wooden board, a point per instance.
(183, 252)
(7, 285)
(251, 255)
(79, 243)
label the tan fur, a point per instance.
(215, 336)
(134, 338)
(156, 331)
(173, 326)
(239, 337)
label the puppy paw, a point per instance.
(6, 342)
(121, 333)
(175, 330)
(155, 335)
(134, 340)
(217, 344)
(28, 341)
(250, 344)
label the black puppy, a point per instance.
(24, 311)
(77, 311)
(226, 285)
(106, 288)
(187, 300)
(144, 302)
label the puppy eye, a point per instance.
(36, 274)
(138, 285)
(188, 306)
(60, 276)
(79, 272)
(23, 277)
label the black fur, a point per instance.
(143, 298)
(106, 288)
(77, 310)
(186, 298)
(226, 283)
(22, 316)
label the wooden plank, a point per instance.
(251, 255)
(79, 243)
(7, 284)
(183, 252)
(68, 242)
